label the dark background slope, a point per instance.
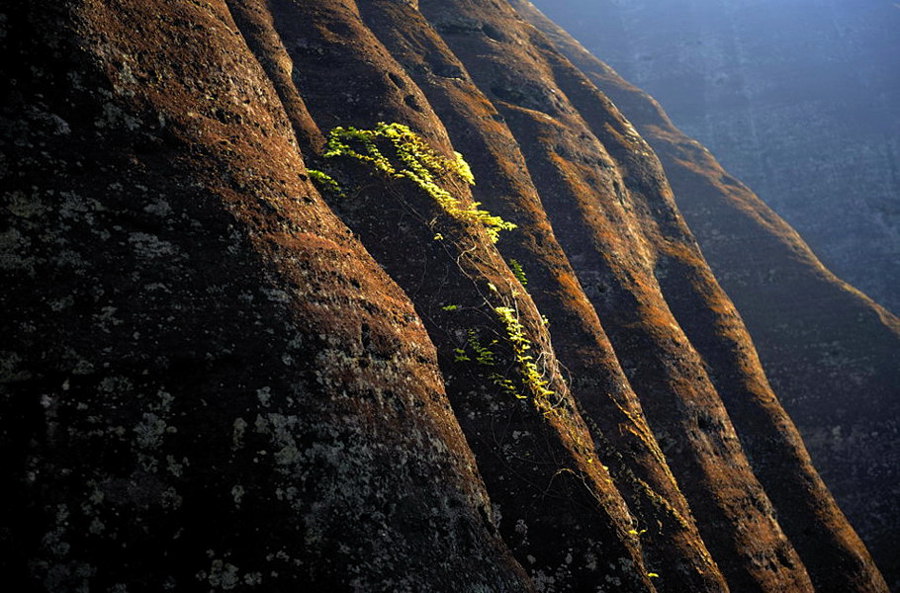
(831, 353)
(800, 99)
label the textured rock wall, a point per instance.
(830, 352)
(798, 99)
(207, 383)
(223, 378)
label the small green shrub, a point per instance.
(410, 157)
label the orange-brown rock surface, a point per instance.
(208, 384)
(221, 376)
(830, 352)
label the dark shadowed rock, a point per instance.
(207, 383)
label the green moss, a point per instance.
(397, 152)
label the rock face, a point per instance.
(830, 352)
(223, 376)
(210, 384)
(798, 99)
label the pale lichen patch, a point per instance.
(14, 252)
(24, 206)
(237, 494)
(239, 427)
(225, 576)
(11, 368)
(264, 395)
(150, 246)
(159, 208)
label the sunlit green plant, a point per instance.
(410, 157)
(518, 272)
(529, 376)
(528, 369)
(325, 182)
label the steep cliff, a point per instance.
(797, 99)
(831, 353)
(208, 384)
(230, 371)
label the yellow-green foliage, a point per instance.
(506, 384)
(483, 353)
(325, 182)
(518, 272)
(528, 369)
(529, 376)
(412, 158)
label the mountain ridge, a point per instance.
(798, 338)
(249, 381)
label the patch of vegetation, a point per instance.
(518, 272)
(527, 378)
(484, 355)
(397, 152)
(325, 182)
(528, 370)
(506, 384)
(475, 351)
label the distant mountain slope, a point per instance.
(798, 99)
(832, 354)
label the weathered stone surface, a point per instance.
(559, 512)
(207, 383)
(220, 378)
(559, 149)
(670, 541)
(830, 352)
